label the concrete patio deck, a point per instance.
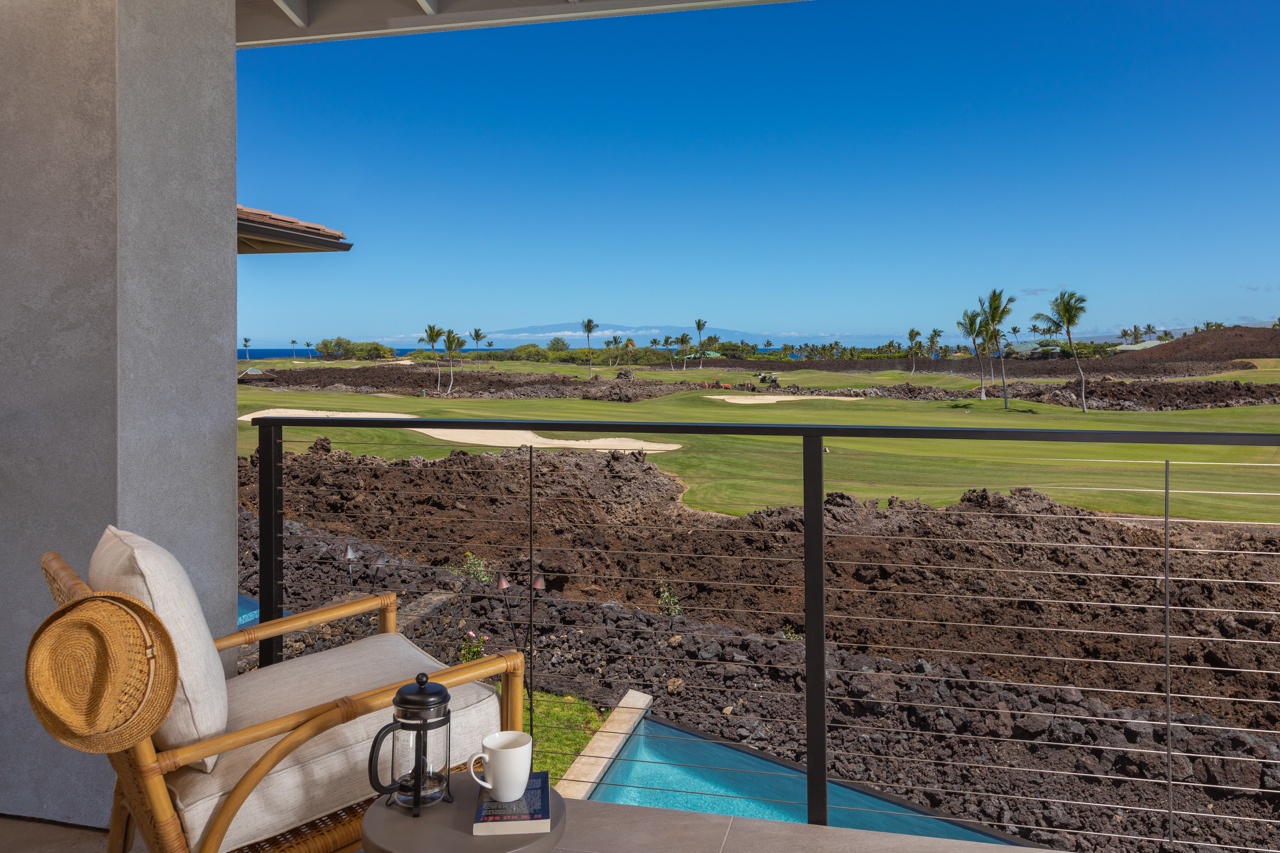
(596, 827)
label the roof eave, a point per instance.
(257, 238)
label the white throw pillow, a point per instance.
(124, 562)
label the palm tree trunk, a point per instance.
(982, 375)
(1004, 388)
(1084, 407)
(450, 391)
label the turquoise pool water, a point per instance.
(247, 612)
(671, 768)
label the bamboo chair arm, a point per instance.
(508, 664)
(64, 583)
(385, 603)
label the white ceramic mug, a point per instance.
(507, 758)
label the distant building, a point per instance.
(254, 376)
(1136, 347)
(1034, 350)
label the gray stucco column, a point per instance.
(118, 322)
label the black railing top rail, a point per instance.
(1247, 439)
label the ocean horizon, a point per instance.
(263, 353)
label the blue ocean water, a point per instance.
(300, 353)
(668, 768)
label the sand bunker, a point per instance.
(482, 437)
(757, 399)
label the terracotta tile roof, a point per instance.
(266, 217)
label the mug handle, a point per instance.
(471, 768)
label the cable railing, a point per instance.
(1007, 664)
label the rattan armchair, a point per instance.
(142, 800)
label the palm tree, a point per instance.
(294, 344)
(667, 343)
(308, 350)
(628, 347)
(1015, 331)
(934, 338)
(996, 309)
(615, 343)
(700, 324)
(589, 326)
(768, 344)
(1065, 310)
(477, 336)
(913, 342)
(1149, 329)
(970, 325)
(684, 342)
(453, 344)
(246, 349)
(432, 336)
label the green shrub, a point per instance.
(346, 349)
(472, 567)
(667, 599)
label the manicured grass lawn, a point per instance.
(270, 364)
(563, 725)
(737, 475)
(803, 378)
(1268, 372)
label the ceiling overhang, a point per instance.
(260, 23)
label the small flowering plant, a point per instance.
(472, 647)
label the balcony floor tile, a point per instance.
(602, 828)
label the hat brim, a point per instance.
(155, 668)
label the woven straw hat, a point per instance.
(101, 673)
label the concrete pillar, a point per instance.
(117, 269)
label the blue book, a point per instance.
(530, 813)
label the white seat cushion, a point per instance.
(127, 563)
(331, 770)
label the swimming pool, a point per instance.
(662, 766)
(247, 612)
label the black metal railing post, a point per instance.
(529, 663)
(1168, 664)
(270, 536)
(815, 632)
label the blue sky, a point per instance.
(824, 168)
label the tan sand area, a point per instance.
(483, 437)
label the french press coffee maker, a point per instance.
(419, 748)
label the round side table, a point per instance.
(446, 827)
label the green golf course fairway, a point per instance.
(737, 475)
(1268, 371)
